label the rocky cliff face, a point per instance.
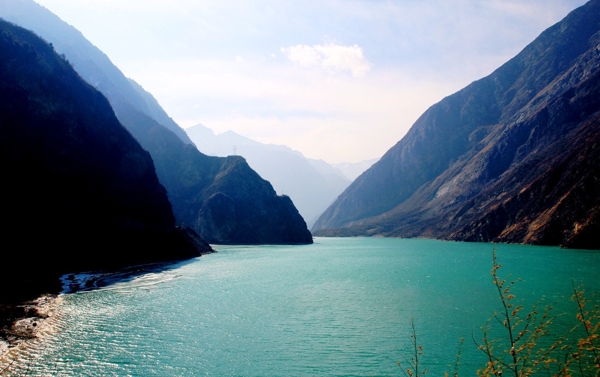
(510, 158)
(181, 168)
(78, 190)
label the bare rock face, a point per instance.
(78, 191)
(510, 158)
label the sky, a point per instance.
(338, 80)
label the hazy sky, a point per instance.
(338, 80)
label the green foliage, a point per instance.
(524, 343)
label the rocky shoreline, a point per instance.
(21, 322)
(25, 320)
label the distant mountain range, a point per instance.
(311, 184)
(78, 191)
(353, 170)
(223, 199)
(513, 157)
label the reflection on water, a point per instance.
(338, 307)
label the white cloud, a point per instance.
(332, 57)
(306, 56)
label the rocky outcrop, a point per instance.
(181, 168)
(78, 191)
(510, 158)
(231, 197)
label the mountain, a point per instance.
(512, 157)
(311, 184)
(353, 170)
(188, 175)
(78, 190)
(91, 63)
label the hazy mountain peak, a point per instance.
(353, 170)
(312, 185)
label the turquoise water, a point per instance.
(340, 307)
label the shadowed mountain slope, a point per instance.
(312, 184)
(222, 198)
(91, 63)
(78, 191)
(185, 173)
(510, 158)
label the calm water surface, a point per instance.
(340, 307)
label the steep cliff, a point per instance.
(78, 190)
(181, 168)
(510, 158)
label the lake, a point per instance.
(339, 307)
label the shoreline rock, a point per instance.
(25, 321)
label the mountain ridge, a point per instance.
(311, 184)
(168, 144)
(79, 192)
(476, 139)
(89, 61)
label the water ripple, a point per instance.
(337, 308)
